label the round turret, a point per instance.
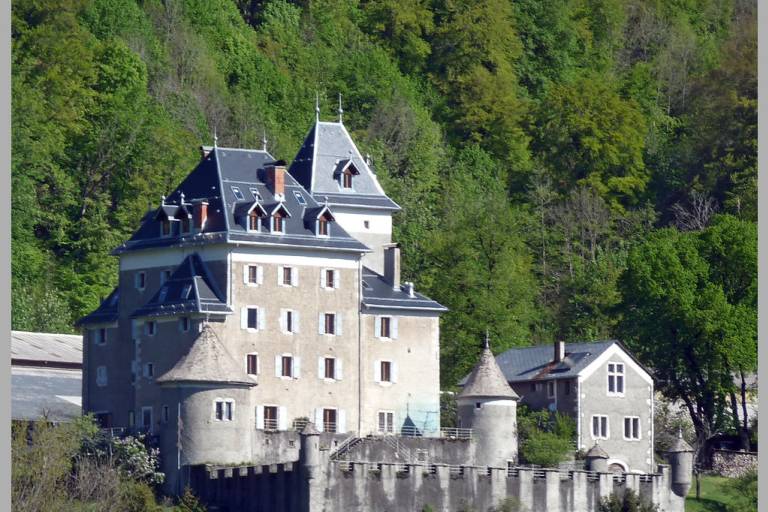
(488, 406)
(310, 450)
(597, 459)
(680, 456)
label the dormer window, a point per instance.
(253, 221)
(322, 227)
(186, 225)
(347, 179)
(165, 227)
(278, 226)
(322, 222)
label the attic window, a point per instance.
(253, 221)
(238, 194)
(165, 227)
(346, 179)
(256, 195)
(322, 227)
(185, 225)
(299, 197)
(278, 224)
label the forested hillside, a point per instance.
(572, 169)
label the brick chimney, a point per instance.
(392, 265)
(199, 213)
(559, 351)
(276, 178)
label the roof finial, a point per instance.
(215, 138)
(182, 198)
(317, 106)
(679, 432)
(264, 140)
(341, 110)
(162, 200)
(487, 341)
(325, 200)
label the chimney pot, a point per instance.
(409, 289)
(559, 351)
(392, 265)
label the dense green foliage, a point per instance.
(545, 439)
(628, 501)
(548, 155)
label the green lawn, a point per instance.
(713, 495)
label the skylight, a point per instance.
(238, 194)
(299, 197)
(256, 195)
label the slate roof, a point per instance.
(377, 293)
(53, 393)
(326, 150)
(190, 289)
(107, 312)
(597, 452)
(46, 349)
(207, 361)
(486, 380)
(214, 180)
(521, 364)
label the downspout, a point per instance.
(360, 346)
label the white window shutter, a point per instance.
(296, 367)
(319, 419)
(321, 323)
(322, 277)
(377, 371)
(244, 317)
(335, 278)
(377, 328)
(280, 275)
(295, 276)
(260, 417)
(339, 374)
(282, 320)
(259, 274)
(296, 322)
(338, 324)
(393, 328)
(342, 425)
(245, 274)
(394, 371)
(258, 365)
(282, 418)
(261, 314)
(278, 366)
(321, 367)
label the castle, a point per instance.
(261, 333)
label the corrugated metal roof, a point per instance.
(46, 347)
(52, 393)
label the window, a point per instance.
(289, 321)
(329, 279)
(146, 418)
(287, 276)
(252, 364)
(165, 414)
(149, 370)
(253, 221)
(163, 292)
(185, 225)
(100, 336)
(366, 224)
(238, 194)
(253, 275)
(165, 227)
(255, 193)
(140, 280)
(184, 324)
(131, 419)
(322, 227)
(224, 409)
(616, 379)
(252, 318)
(385, 327)
(386, 422)
(330, 323)
(631, 428)
(151, 328)
(101, 376)
(270, 417)
(329, 420)
(299, 197)
(329, 368)
(551, 389)
(278, 224)
(386, 371)
(165, 275)
(346, 180)
(286, 366)
(600, 427)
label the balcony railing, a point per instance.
(270, 423)
(329, 426)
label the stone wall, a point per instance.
(733, 464)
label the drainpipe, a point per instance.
(360, 346)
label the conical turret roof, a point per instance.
(597, 452)
(207, 361)
(486, 380)
(679, 445)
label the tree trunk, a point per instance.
(745, 419)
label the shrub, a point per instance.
(743, 493)
(545, 438)
(629, 501)
(545, 448)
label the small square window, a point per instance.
(100, 336)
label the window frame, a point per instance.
(151, 327)
(271, 427)
(140, 280)
(227, 410)
(334, 423)
(100, 337)
(185, 324)
(388, 365)
(600, 418)
(632, 420)
(614, 376)
(291, 367)
(102, 376)
(326, 367)
(252, 356)
(329, 324)
(389, 426)
(249, 310)
(551, 389)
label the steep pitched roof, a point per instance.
(207, 361)
(521, 364)
(377, 293)
(107, 312)
(229, 179)
(486, 380)
(190, 289)
(597, 452)
(326, 151)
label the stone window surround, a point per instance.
(607, 426)
(616, 376)
(225, 417)
(639, 429)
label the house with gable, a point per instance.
(600, 385)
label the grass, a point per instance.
(714, 495)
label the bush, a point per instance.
(545, 438)
(743, 493)
(545, 449)
(629, 501)
(189, 502)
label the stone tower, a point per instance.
(488, 406)
(680, 456)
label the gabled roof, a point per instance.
(208, 361)
(327, 150)
(214, 180)
(486, 379)
(377, 293)
(107, 311)
(190, 289)
(243, 208)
